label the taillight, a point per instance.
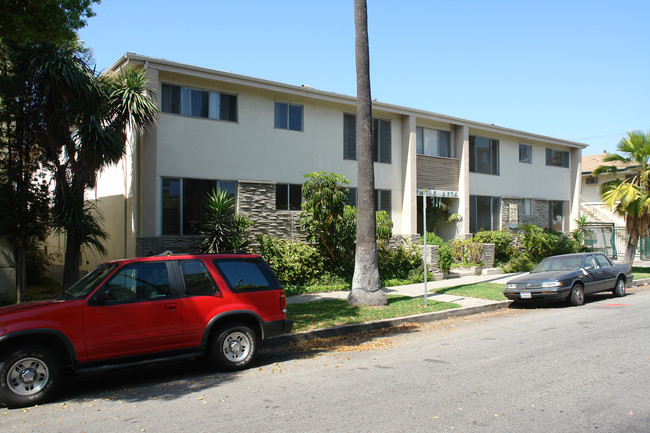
(283, 302)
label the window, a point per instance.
(183, 202)
(525, 153)
(352, 197)
(383, 200)
(244, 275)
(556, 215)
(592, 180)
(288, 116)
(198, 103)
(603, 261)
(139, 281)
(288, 196)
(483, 155)
(197, 279)
(528, 207)
(558, 158)
(484, 213)
(381, 139)
(433, 142)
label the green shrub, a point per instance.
(432, 239)
(445, 257)
(397, 263)
(502, 240)
(520, 263)
(295, 263)
(466, 252)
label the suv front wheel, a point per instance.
(29, 375)
(234, 347)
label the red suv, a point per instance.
(128, 312)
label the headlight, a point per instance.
(511, 286)
(551, 284)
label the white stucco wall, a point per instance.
(523, 180)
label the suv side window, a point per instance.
(138, 281)
(197, 279)
(243, 275)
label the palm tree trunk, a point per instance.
(632, 242)
(366, 285)
(72, 260)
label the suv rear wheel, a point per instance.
(234, 347)
(29, 375)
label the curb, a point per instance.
(385, 323)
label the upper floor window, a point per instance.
(525, 153)
(558, 158)
(483, 155)
(433, 142)
(288, 116)
(288, 196)
(198, 103)
(381, 139)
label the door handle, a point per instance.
(170, 306)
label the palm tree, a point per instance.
(87, 119)
(366, 285)
(630, 197)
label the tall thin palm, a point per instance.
(630, 197)
(366, 285)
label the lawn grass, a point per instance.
(336, 312)
(640, 273)
(491, 291)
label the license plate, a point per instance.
(526, 295)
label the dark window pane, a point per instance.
(200, 103)
(281, 113)
(197, 279)
(228, 107)
(139, 281)
(228, 186)
(242, 275)
(483, 155)
(295, 197)
(282, 196)
(349, 136)
(352, 197)
(171, 206)
(384, 141)
(195, 193)
(295, 117)
(444, 144)
(171, 99)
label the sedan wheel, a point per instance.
(577, 295)
(619, 289)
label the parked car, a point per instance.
(130, 312)
(570, 276)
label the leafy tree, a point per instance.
(325, 196)
(366, 284)
(43, 21)
(630, 197)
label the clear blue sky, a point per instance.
(571, 69)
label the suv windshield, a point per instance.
(84, 286)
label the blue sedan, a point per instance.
(570, 277)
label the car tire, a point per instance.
(234, 347)
(619, 288)
(577, 296)
(29, 375)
